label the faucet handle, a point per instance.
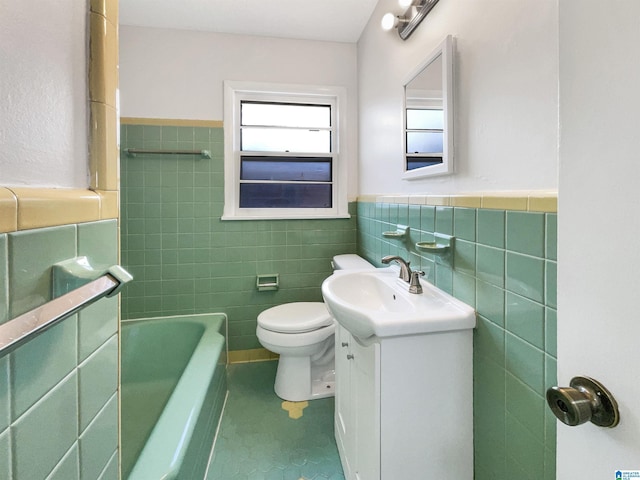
(414, 285)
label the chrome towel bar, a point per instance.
(23, 328)
(132, 152)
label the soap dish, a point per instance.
(440, 245)
(400, 232)
(432, 247)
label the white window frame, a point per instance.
(236, 92)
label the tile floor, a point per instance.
(258, 439)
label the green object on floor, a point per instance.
(258, 440)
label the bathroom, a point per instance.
(534, 81)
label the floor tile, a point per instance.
(258, 440)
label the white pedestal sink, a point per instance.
(377, 302)
(404, 395)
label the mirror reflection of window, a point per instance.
(424, 131)
(428, 115)
(424, 137)
(425, 119)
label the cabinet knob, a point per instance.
(345, 344)
(349, 356)
(584, 400)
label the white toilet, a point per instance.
(302, 333)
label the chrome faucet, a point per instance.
(405, 271)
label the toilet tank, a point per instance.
(350, 261)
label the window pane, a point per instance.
(286, 169)
(419, 162)
(285, 195)
(424, 142)
(259, 139)
(286, 115)
(422, 119)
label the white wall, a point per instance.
(43, 94)
(506, 90)
(598, 327)
(178, 74)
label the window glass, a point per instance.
(259, 139)
(285, 195)
(285, 115)
(292, 169)
(284, 127)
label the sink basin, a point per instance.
(378, 303)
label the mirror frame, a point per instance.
(445, 49)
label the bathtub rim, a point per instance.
(162, 459)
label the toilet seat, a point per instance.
(297, 317)
(279, 342)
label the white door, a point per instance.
(599, 227)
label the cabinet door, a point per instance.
(365, 379)
(344, 418)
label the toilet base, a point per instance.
(324, 384)
(297, 379)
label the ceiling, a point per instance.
(326, 20)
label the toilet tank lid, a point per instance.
(350, 261)
(297, 317)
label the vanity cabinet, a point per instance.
(404, 406)
(357, 413)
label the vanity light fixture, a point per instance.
(415, 12)
(409, 3)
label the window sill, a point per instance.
(282, 217)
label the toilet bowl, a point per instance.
(302, 333)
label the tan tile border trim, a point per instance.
(171, 122)
(23, 208)
(103, 92)
(252, 355)
(8, 211)
(533, 201)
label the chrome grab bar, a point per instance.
(132, 152)
(23, 328)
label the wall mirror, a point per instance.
(428, 115)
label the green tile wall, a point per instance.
(504, 265)
(186, 260)
(58, 392)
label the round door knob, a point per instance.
(571, 406)
(584, 400)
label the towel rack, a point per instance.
(23, 328)
(132, 152)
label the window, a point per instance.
(282, 152)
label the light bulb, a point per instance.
(389, 21)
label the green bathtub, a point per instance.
(174, 385)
